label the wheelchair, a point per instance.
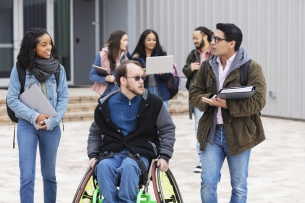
(164, 186)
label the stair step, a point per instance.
(79, 116)
(81, 107)
(83, 99)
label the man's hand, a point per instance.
(195, 66)
(92, 162)
(163, 165)
(216, 101)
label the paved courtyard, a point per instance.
(276, 172)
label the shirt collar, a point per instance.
(229, 60)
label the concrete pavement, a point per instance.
(276, 172)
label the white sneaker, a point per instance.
(197, 169)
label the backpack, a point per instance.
(21, 74)
(243, 72)
(173, 83)
(188, 81)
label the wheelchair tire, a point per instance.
(165, 186)
(86, 188)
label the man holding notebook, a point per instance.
(228, 128)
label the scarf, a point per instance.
(43, 69)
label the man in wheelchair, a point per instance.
(130, 128)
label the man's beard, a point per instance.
(134, 91)
(200, 45)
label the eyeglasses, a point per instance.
(137, 78)
(217, 39)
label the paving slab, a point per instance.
(276, 172)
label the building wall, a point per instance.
(272, 32)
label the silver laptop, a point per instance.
(36, 100)
(159, 64)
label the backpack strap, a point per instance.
(205, 69)
(244, 73)
(57, 73)
(21, 74)
(193, 55)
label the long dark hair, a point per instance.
(140, 48)
(26, 56)
(113, 44)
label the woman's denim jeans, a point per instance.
(28, 138)
(121, 171)
(212, 159)
(155, 90)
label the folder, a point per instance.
(36, 100)
(235, 93)
(100, 70)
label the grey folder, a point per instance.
(159, 64)
(36, 100)
(235, 93)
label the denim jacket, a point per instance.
(57, 96)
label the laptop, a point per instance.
(159, 64)
(36, 100)
(101, 71)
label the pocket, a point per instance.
(29, 81)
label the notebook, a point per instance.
(159, 64)
(36, 100)
(233, 93)
(101, 71)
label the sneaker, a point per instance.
(197, 169)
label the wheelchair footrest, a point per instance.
(144, 198)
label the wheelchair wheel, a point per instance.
(85, 190)
(165, 186)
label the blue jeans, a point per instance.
(197, 115)
(28, 138)
(212, 159)
(155, 90)
(121, 171)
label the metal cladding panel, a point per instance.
(273, 35)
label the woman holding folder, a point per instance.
(39, 57)
(149, 46)
(112, 54)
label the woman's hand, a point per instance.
(41, 122)
(109, 78)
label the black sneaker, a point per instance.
(197, 169)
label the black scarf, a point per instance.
(43, 69)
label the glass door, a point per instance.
(6, 41)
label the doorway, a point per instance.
(84, 40)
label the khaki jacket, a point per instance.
(242, 121)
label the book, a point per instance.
(235, 93)
(100, 70)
